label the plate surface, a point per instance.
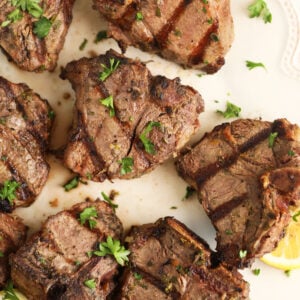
(267, 94)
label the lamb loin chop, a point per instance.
(12, 236)
(196, 34)
(55, 263)
(25, 124)
(33, 34)
(126, 121)
(168, 261)
(247, 174)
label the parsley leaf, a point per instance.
(189, 192)
(295, 216)
(90, 283)
(148, 145)
(272, 138)
(109, 201)
(109, 103)
(9, 292)
(107, 71)
(137, 276)
(8, 191)
(243, 253)
(72, 184)
(31, 6)
(231, 111)
(126, 165)
(42, 27)
(139, 16)
(87, 214)
(101, 35)
(260, 8)
(256, 272)
(14, 16)
(251, 65)
(83, 44)
(114, 248)
(291, 153)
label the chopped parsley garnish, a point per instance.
(83, 44)
(42, 27)
(109, 201)
(87, 214)
(189, 192)
(214, 37)
(126, 165)
(8, 191)
(228, 232)
(107, 71)
(287, 273)
(291, 153)
(114, 248)
(173, 207)
(148, 145)
(109, 103)
(272, 138)
(295, 216)
(242, 253)
(101, 35)
(139, 16)
(90, 283)
(251, 65)
(210, 21)
(260, 8)
(158, 12)
(9, 292)
(256, 272)
(14, 16)
(137, 276)
(51, 114)
(231, 111)
(1, 254)
(71, 184)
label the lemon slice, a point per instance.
(287, 254)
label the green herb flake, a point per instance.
(51, 115)
(109, 201)
(71, 184)
(189, 192)
(214, 37)
(89, 176)
(231, 111)
(295, 216)
(42, 27)
(287, 273)
(86, 216)
(90, 283)
(83, 44)
(260, 8)
(173, 207)
(9, 292)
(8, 190)
(114, 248)
(148, 145)
(251, 65)
(228, 232)
(101, 35)
(107, 71)
(14, 16)
(242, 253)
(4, 158)
(210, 21)
(77, 263)
(1, 254)
(126, 165)
(158, 12)
(139, 16)
(256, 272)
(291, 153)
(137, 276)
(177, 32)
(272, 138)
(109, 103)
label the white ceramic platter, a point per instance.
(269, 94)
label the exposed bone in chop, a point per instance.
(248, 174)
(12, 236)
(148, 119)
(168, 261)
(196, 34)
(54, 263)
(25, 125)
(19, 42)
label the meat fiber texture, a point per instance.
(24, 47)
(54, 263)
(168, 261)
(12, 236)
(247, 174)
(25, 125)
(102, 139)
(195, 34)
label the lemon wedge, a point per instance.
(287, 254)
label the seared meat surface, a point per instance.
(54, 263)
(19, 39)
(195, 34)
(168, 261)
(247, 174)
(25, 124)
(129, 122)
(12, 236)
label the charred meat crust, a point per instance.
(169, 261)
(98, 142)
(193, 33)
(24, 137)
(245, 184)
(54, 263)
(23, 47)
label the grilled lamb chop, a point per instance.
(248, 174)
(126, 124)
(196, 34)
(12, 236)
(23, 46)
(54, 263)
(25, 124)
(168, 261)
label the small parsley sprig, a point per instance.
(260, 8)
(109, 201)
(231, 111)
(8, 191)
(251, 65)
(126, 165)
(272, 138)
(71, 184)
(148, 145)
(114, 248)
(109, 103)
(90, 283)
(42, 27)
(86, 216)
(107, 71)
(9, 292)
